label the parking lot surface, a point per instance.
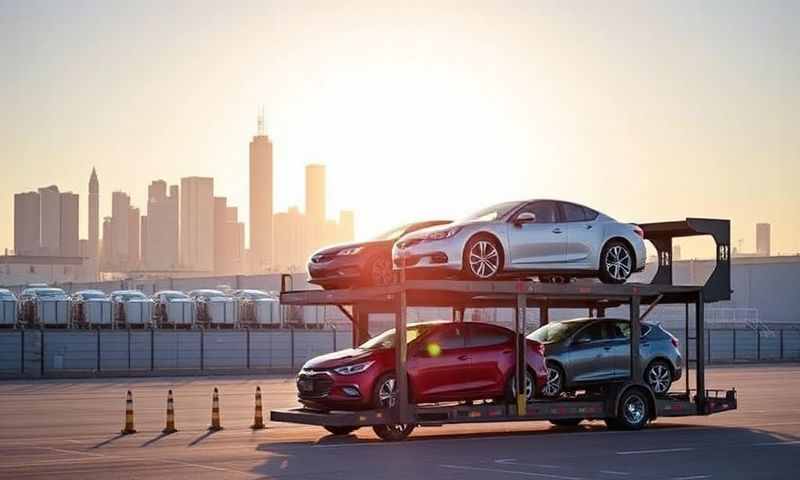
(69, 429)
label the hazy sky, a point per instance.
(645, 110)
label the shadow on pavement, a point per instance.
(106, 442)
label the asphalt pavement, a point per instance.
(70, 429)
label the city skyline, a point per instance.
(697, 115)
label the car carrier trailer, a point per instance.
(627, 404)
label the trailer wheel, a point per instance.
(341, 430)
(394, 433)
(566, 422)
(633, 411)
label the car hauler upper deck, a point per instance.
(625, 404)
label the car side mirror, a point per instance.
(525, 217)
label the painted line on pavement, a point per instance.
(511, 472)
(656, 450)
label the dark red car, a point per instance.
(447, 362)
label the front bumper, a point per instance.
(336, 271)
(434, 256)
(326, 390)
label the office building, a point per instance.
(228, 238)
(69, 219)
(94, 215)
(315, 194)
(107, 242)
(261, 232)
(347, 226)
(763, 247)
(160, 228)
(27, 223)
(117, 255)
(50, 217)
(133, 238)
(197, 223)
(291, 246)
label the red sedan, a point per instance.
(447, 362)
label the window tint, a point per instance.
(589, 214)
(485, 336)
(545, 211)
(591, 333)
(573, 213)
(449, 338)
(623, 330)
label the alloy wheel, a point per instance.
(634, 409)
(618, 262)
(659, 378)
(387, 393)
(484, 259)
(528, 387)
(553, 385)
(382, 272)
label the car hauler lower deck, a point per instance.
(627, 404)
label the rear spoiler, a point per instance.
(718, 285)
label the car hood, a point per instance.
(340, 358)
(421, 233)
(336, 248)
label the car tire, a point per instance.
(556, 380)
(633, 411)
(530, 392)
(379, 272)
(482, 259)
(616, 262)
(393, 433)
(346, 430)
(566, 422)
(658, 376)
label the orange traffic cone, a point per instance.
(170, 428)
(128, 429)
(258, 421)
(215, 423)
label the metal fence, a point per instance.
(53, 353)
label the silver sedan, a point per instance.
(553, 239)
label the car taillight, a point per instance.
(638, 231)
(675, 342)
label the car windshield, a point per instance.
(555, 332)
(492, 213)
(206, 293)
(5, 295)
(130, 295)
(49, 292)
(392, 234)
(92, 295)
(386, 339)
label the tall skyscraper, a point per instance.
(69, 238)
(50, 208)
(197, 223)
(133, 237)
(291, 251)
(763, 244)
(117, 256)
(228, 238)
(346, 226)
(94, 215)
(107, 243)
(27, 223)
(160, 227)
(315, 194)
(261, 235)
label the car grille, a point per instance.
(314, 385)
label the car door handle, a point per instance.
(588, 227)
(463, 357)
(606, 348)
(556, 230)
(508, 352)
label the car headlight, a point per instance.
(350, 251)
(442, 234)
(353, 369)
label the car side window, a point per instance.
(449, 338)
(589, 214)
(486, 336)
(592, 333)
(545, 211)
(623, 330)
(573, 213)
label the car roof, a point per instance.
(592, 319)
(79, 292)
(169, 291)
